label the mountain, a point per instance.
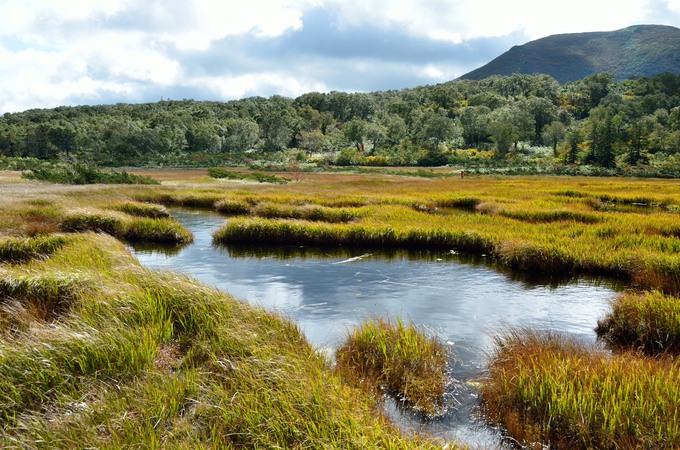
(640, 50)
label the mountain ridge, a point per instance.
(638, 50)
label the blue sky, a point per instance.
(77, 52)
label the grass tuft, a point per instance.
(399, 358)
(649, 322)
(546, 388)
(16, 250)
(138, 209)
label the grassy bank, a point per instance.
(648, 322)
(547, 388)
(550, 225)
(96, 351)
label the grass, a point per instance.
(136, 229)
(401, 359)
(126, 357)
(138, 209)
(545, 388)
(16, 250)
(216, 172)
(649, 322)
(132, 357)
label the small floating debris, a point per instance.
(356, 258)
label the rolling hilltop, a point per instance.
(641, 50)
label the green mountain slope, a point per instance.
(641, 50)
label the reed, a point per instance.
(47, 296)
(649, 322)
(242, 231)
(98, 222)
(546, 388)
(399, 358)
(551, 216)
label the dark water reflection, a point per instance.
(328, 291)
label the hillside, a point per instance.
(641, 50)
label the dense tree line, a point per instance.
(594, 121)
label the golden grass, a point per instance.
(548, 389)
(382, 354)
(648, 322)
(548, 224)
(98, 352)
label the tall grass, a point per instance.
(305, 212)
(139, 209)
(286, 232)
(399, 358)
(547, 388)
(17, 250)
(155, 360)
(136, 229)
(649, 322)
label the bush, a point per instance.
(77, 173)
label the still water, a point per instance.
(462, 300)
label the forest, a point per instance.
(502, 124)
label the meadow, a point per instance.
(97, 351)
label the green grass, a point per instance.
(138, 209)
(135, 229)
(649, 322)
(232, 207)
(550, 389)
(155, 360)
(16, 250)
(216, 172)
(398, 358)
(312, 213)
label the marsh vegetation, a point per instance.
(98, 351)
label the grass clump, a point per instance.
(551, 216)
(217, 172)
(304, 212)
(139, 209)
(16, 250)
(77, 173)
(649, 322)
(545, 388)
(398, 358)
(232, 207)
(136, 229)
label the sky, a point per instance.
(88, 52)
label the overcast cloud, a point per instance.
(109, 51)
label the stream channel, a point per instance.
(461, 299)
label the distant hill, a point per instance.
(640, 50)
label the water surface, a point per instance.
(328, 291)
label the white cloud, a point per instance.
(459, 20)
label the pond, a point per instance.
(462, 299)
